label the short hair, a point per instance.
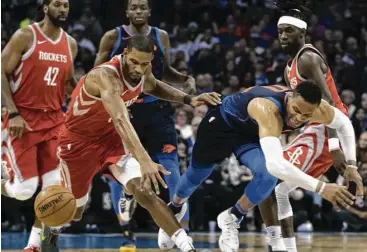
(129, 1)
(296, 8)
(46, 2)
(309, 91)
(141, 43)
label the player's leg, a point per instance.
(301, 152)
(77, 173)
(119, 203)
(258, 189)
(23, 182)
(129, 175)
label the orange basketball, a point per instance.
(55, 206)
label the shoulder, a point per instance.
(163, 35)
(111, 35)
(309, 59)
(102, 72)
(23, 35)
(109, 39)
(262, 104)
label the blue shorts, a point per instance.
(155, 126)
(216, 140)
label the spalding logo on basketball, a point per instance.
(55, 206)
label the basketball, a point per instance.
(55, 206)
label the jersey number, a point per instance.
(51, 75)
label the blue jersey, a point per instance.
(234, 108)
(158, 61)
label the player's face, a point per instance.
(138, 12)
(299, 111)
(136, 63)
(57, 11)
(290, 38)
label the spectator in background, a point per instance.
(260, 74)
(233, 86)
(362, 148)
(182, 43)
(348, 97)
(359, 122)
(190, 141)
(355, 218)
(200, 111)
(207, 23)
(182, 124)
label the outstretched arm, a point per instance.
(107, 84)
(170, 74)
(270, 124)
(164, 91)
(335, 119)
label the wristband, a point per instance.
(322, 188)
(352, 167)
(14, 114)
(333, 144)
(187, 99)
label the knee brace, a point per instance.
(260, 187)
(191, 179)
(26, 189)
(282, 195)
(51, 178)
(262, 182)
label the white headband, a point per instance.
(292, 21)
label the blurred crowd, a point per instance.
(227, 45)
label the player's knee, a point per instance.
(51, 178)
(142, 197)
(26, 189)
(261, 185)
(79, 213)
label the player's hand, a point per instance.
(362, 215)
(17, 125)
(352, 174)
(338, 196)
(338, 160)
(150, 174)
(190, 86)
(212, 98)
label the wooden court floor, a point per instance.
(250, 242)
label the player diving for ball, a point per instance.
(151, 117)
(316, 149)
(249, 124)
(98, 136)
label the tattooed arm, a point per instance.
(105, 83)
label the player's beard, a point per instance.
(55, 21)
(127, 75)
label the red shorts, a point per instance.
(31, 156)
(309, 151)
(81, 159)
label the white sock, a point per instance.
(9, 189)
(35, 237)
(274, 234)
(179, 235)
(290, 244)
